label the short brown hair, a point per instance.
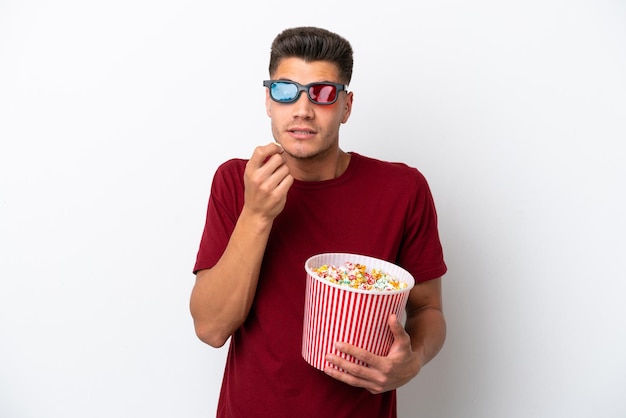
(313, 44)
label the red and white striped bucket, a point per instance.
(334, 312)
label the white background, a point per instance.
(114, 116)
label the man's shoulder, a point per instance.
(233, 164)
(386, 167)
(230, 173)
(232, 168)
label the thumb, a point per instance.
(401, 339)
(396, 327)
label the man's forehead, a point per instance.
(304, 72)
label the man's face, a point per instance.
(307, 130)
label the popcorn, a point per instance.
(341, 312)
(357, 276)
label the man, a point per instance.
(294, 198)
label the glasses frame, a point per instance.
(305, 88)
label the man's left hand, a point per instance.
(384, 373)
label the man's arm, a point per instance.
(222, 295)
(425, 320)
(414, 345)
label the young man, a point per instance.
(295, 198)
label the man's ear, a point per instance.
(348, 107)
(268, 103)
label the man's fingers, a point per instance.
(263, 153)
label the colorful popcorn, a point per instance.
(357, 276)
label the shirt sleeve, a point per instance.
(421, 252)
(223, 209)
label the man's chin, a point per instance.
(305, 152)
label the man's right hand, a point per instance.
(266, 181)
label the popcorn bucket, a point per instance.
(334, 312)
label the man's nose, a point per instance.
(303, 107)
